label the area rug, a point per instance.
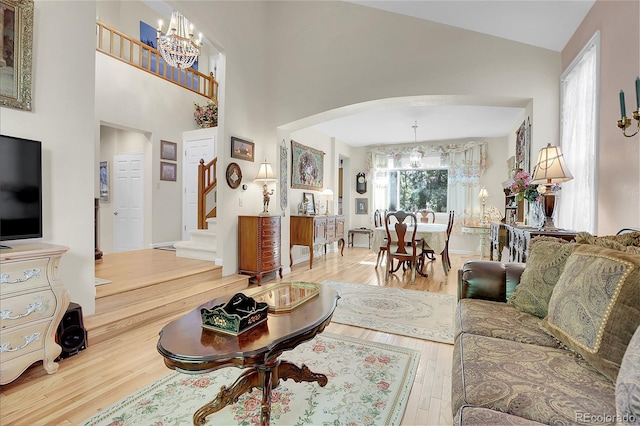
(412, 313)
(369, 383)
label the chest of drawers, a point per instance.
(259, 245)
(33, 300)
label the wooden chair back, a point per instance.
(401, 245)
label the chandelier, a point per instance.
(415, 158)
(178, 46)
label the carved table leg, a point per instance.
(289, 370)
(247, 381)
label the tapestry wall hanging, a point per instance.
(283, 174)
(523, 146)
(307, 167)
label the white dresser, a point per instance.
(33, 301)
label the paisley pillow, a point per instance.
(594, 307)
(545, 263)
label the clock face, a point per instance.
(361, 183)
(361, 179)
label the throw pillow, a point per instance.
(633, 249)
(616, 242)
(594, 307)
(545, 263)
(628, 384)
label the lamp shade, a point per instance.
(328, 192)
(551, 167)
(483, 193)
(265, 174)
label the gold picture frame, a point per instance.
(17, 54)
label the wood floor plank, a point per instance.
(108, 371)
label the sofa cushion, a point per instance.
(621, 240)
(594, 308)
(499, 319)
(545, 263)
(546, 385)
(472, 416)
(628, 383)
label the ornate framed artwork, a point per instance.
(168, 150)
(307, 167)
(362, 206)
(309, 203)
(242, 149)
(168, 171)
(104, 181)
(17, 54)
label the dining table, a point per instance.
(432, 234)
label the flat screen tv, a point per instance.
(20, 188)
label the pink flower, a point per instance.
(380, 404)
(116, 423)
(252, 404)
(384, 359)
(319, 347)
(370, 359)
(382, 385)
(144, 403)
(202, 382)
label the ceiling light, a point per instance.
(178, 46)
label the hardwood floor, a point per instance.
(110, 370)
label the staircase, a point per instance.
(163, 286)
(203, 244)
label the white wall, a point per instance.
(63, 119)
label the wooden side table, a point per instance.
(367, 231)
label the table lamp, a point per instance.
(265, 176)
(329, 194)
(483, 194)
(550, 169)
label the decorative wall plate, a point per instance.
(234, 175)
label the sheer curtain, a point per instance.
(579, 140)
(466, 165)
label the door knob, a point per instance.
(115, 213)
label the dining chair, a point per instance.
(446, 261)
(382, 250)
(402, 246)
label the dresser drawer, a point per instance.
(270, 222)
(27, 307)
(270, 232)
(23, 275)
(268, 265)
(15, 343)
(269, 243)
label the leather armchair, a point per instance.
(488, 280)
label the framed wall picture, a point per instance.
(17, 53)
(309, 203)
(242, 149)
(362, 206)
(104, 181)
(168, 150)
(168, 171)
(307, 167)
(523, 146)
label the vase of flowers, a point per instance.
(206, 115)
(523, 189)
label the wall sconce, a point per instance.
(483, 194)
(265, 176)
(550, 169)
(625, 122)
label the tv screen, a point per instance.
(20, 188)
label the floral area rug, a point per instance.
(412, 313)
(369, 384)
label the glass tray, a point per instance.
(284, 297)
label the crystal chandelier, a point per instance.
(178, 46)
(415, 158)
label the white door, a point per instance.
(129, 202)
(196, 146)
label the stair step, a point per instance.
(119, 313)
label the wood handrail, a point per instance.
(134, 52)
(207, 182)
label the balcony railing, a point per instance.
(127, 49)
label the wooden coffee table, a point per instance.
(189, 348)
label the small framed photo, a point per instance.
(362, 206)
(242, 149)
(168, 150)
(310, 203)
(168, 171)
(104, 181)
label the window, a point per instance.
(578, 127)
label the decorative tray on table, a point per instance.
(237, 316)
(285, 297)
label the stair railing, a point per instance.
(120, 46)
(207, 183)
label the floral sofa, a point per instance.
(555, 342)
